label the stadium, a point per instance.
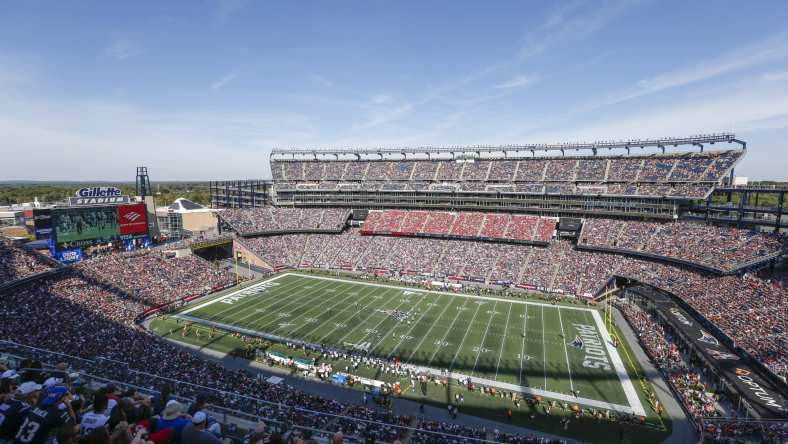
(615, 291)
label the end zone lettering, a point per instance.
(595, 357)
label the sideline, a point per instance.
(350, 396)
(682, 429)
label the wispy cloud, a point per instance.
(14, 72)
(173, 144)
(381, 99)
(226, 8)
(324, 81)
(750, 106)
(570, 21)
(125, 47)
(223, 81)
(772, 50)
(518, 82)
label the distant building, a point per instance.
(184, 218)
(740, 181)
(11, 216)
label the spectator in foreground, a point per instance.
(14, 409)
(173, 418)
(197, 432)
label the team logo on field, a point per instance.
(707, 338)
(577, 342)
(722, 355)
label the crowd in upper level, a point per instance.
(720, 248)
(683, 167)
(696, 190)
(17, 263)
(512, 227)
(280, 219)
(685, 175)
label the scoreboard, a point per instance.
(77, 226)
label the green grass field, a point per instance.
(510, 344)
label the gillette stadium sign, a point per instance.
(98, 195)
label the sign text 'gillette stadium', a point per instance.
(98, 195)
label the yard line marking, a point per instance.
(372, 301)
(342, 300)
(462, 295)
(300, 303)
(503, 341)
(498, 384)
(246, 304)
(481, 345)
(270, 309)
(434, 352)
(345, 321)
(385, 318)
(566, 352)
(253, 307)
(522, 347)
(451, 366)
(398, 324)
(372, 313)
(411, 329)
(213, 301)
(544, 352)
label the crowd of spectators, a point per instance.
(663, 349)
(17, 263)
(751, 311)
(681, 174)
(696, 190)
(89, 313)
(699, 395)
(283, 220)
(719, 248)
(469, 225)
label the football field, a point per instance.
(559, 352)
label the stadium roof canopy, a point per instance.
(506, 150)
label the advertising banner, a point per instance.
(765, 396)
(98, 195)
(133, 219)
(42, 223)
(69, 256)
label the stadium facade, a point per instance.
(498, 213)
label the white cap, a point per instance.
(28, 387)
(199, 418)
(9, 374)
(52, 381)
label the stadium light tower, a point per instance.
(143, 182)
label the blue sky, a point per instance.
(204, 89)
